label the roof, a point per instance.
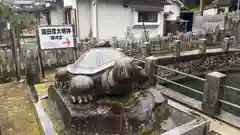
(178, 2)
(210, 6)
(23, 2)
(222, 3)
(35, 9)
(165, 2)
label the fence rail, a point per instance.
(212, 92)
(61, 57)
(178, 84)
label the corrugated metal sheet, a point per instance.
(223, 3)
(158, 1)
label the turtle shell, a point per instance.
(95, 60)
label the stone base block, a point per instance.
(89, 119)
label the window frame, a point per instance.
(148, 12)
(136, 10)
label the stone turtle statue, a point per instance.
(100, 72)
(102, 79)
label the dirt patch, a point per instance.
(16, 111)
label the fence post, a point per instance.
(151, 69)
(225, 44)
(202, 46)
(114, 40)
(178, 45)
(233, 41)
(148, 49)
(213, 91)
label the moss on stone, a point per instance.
(42, 88)
(161, 114)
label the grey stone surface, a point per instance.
(202, 46)
(213, 92)
(195, 127)
(151, 69)
(226, 44)
(178, 46)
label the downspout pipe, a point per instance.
(95, 18)
(97, 27)
(77, 20)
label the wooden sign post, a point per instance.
(54, 37)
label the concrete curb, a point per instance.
(197, 126)
(43, 120)
(225, 117)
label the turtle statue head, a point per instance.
(127, 69)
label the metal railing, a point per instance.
(192, 89)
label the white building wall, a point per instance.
(175, 9)
(57, 16)
(84, 18)
(212, 11)
(108, 18)
(114, 19)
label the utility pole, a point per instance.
(201, 7)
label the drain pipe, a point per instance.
(95, 17)
(77, 20)
(97, 20)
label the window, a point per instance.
(147, 16)
(67, 15)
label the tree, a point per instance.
(18, 21)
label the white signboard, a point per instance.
(55, 37)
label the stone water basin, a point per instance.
(172, 123)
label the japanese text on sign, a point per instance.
(52, 37)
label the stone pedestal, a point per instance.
(233, 41)
(213, 91)
(178, 45)
(226, 44)
(202, 46)
(147, 49)
(151, 69)
(99, 118)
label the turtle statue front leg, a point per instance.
(81, 89)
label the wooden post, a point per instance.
(225, 44)
(238, 31)
(213, 91)
(39, 53)
(14, 49)
(233, 41)
(74, 41)
(115, 42)
(178, 45)
(151, 69)
(202, 46)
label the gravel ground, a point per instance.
(16, 112)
